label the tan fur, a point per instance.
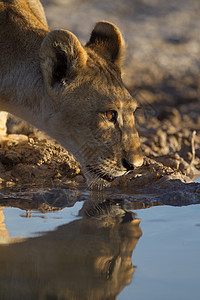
(50, 80)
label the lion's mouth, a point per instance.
(99, 174)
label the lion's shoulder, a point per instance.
(19, 11)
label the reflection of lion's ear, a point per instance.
(62, 56)
(107, 41)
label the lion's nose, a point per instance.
(127, 165)
(138, 161)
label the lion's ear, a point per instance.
(62, 56)
(108, 42)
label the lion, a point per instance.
(73, 93)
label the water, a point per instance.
(81, 252)
(167, 255)
(18, 224)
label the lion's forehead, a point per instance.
(123, 102)
(100, 69)
(105, 85)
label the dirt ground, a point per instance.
(161, 71)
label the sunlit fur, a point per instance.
(50, 80)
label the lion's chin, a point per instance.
(98, 174)
(96, 177)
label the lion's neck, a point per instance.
(23, 94)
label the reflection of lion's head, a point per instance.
(95, 112)
(89, 258)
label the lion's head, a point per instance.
(94, 116)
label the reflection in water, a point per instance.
(89, 258)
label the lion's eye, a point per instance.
(111, 116)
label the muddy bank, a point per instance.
(27, 162)
(32, 162)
